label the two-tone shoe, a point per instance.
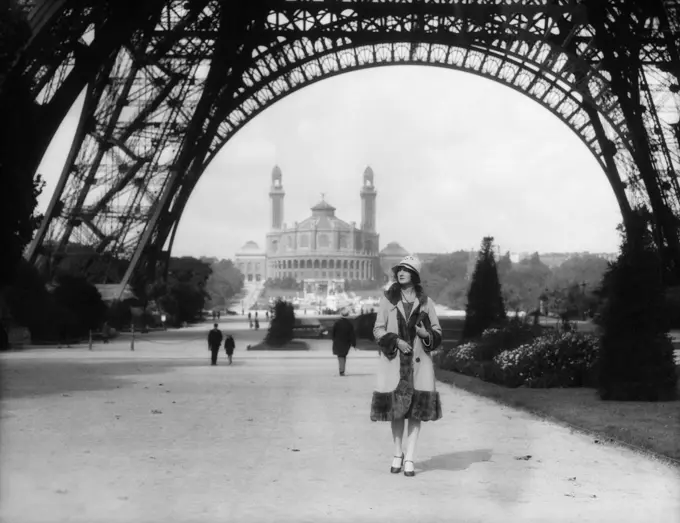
(397, 470)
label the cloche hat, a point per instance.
(410, 262)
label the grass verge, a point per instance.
(646, 426)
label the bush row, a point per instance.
(518, 355)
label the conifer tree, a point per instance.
(485, 306)
(281, 325)
(636, 356)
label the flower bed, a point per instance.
(550, 359)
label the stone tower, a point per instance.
(368, 197)
(276, 193)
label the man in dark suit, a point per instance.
(343, 338)
(214, 342)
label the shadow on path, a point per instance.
(454, 461)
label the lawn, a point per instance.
(651, 426)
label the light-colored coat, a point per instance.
(388, 369)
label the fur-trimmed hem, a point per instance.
(426, 405)
(381, 406)
(387, 406)
(421, 405)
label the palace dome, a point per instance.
(250, 246)
(394, 249)
(323, 218)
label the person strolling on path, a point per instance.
(343, 338)
(214, 342)
(406, 330)
(229, 346)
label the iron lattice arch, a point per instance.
(175, 80)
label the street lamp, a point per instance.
(163, 318)
(583, 303)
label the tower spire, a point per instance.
(276, 195)
(368, 196)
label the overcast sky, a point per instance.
(456, 157)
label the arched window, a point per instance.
(316, 264)
(304, 240)
(331, 264)
(343, 241)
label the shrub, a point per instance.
(493, 341)
(82, 304)
(637, 354)
(281, 325)
(485, 307)
(552, 360)
(119, 315)
(32, 305)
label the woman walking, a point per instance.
(407, 330)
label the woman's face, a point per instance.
(403, 276)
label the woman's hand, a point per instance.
(403, 346)
(422, 331)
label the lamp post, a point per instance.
(163, 318)
(583, 301)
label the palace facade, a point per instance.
(322, 250)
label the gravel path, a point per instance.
(157, 434)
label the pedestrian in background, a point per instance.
(229, 346)
(214, 343)
(106, 332)
(343, 338)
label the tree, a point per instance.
(18, 191)
(188, 269)
(504, 266)
(31, 304)
(281, 325)
(225, 282)
(485, 306)
(636, 356)
(81, 302)
(182, 301)
(443, 279)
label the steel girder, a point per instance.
(180, 87)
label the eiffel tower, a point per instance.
(168, 82)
